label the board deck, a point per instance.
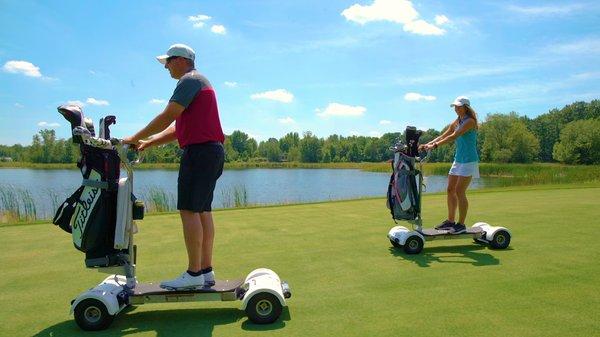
(221, 286)
(437, 232)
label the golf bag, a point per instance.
(91, 214)
(403, 194)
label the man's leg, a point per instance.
(208, 235)
(193, 235)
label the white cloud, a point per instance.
(79, 103)
(231, 84)
(413, 96)
(198, 20)
(400, 11)
(218, 29)
(156, 101)
(397, 11)
(94, 101)
(48, 125)
(280, 95)
(287, 120)
(375, 134)
(441, 19)
(19, 105)
(199, 17)
(385, 122)
(423, 28)
(341, 110)
(22, 67)
(545, 10)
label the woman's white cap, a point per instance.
(460, 101)
(180, 50)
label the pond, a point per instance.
(48, 188)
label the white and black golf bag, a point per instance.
(101, 209)
(404, 189)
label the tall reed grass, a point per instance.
(16, 205)
(158, 200)
(236, 196)
(517, 174)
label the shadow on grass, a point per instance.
(475, 255)
(178, 322)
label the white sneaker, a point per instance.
(184, 282)
(209, 279)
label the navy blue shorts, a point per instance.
(201, 165)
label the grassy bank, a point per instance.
(518, 174)
(345, 278)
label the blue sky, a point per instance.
(358, 67)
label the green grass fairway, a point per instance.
(346, 279)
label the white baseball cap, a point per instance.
(460, 101)
(178, 49)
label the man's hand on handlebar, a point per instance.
(143, 144)
(426, 147)
(130, 140)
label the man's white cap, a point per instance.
(180, 50)
(460, 101)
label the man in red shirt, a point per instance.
(197, 128)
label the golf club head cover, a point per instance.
(74, 115)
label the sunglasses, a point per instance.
(171, 58)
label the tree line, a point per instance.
(568, 135)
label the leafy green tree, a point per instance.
(579, 143)
(371, 150)
(270, 150)
(242, 144)
(547, 127)
(505, 138)
(310, 148)
(289, 141)
(230, 153)
(294, 154)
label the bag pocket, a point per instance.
(64, 213)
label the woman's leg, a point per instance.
(461, 186)
(451, 198)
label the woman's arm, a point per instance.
(468, 125)
(445, 134)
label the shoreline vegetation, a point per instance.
(17, 206)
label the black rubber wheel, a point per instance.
(413, 245)
(501, 240)
(263, 308)
(92, 315)
(395, 244)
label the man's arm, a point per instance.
(168, 135)
(159, 124)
